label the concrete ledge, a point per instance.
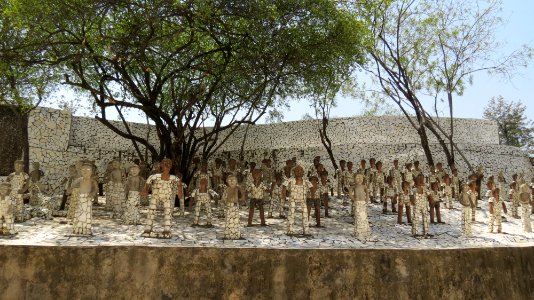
(32, 272)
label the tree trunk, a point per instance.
(326, 142)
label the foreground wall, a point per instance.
(206, 273)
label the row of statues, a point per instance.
(227, 186)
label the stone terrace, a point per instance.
(337, 233)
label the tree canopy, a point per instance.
(515, 129)
(184, 63)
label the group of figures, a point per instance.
(226, 186)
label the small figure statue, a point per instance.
(514, 198)
(116, 189)
(434, 199)
(447, 188)
(268, 177)
(396, 173)
(455, 181)
(467, 200)
(276, 197)
(525, 197)
(67, 181)
(256, 190)
(390, 192)
(371, 180)
(132, 189)
(298, 189)
(19, 185)
(86, 187)
(420, 206)
(7, 226)
(404, 201)
(231, 197)
(202, 195)
(314, 200)
(495, 211)
(164, 188)
(348, 177)
(35, 186)
(360, 198)
(182, 187)
(408, 175)
(324, 187)
(440, 173)
(379, 182)
(217, 172)
(338, 175)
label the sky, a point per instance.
(517, 31)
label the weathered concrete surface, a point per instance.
(29, 272)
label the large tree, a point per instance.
(187, 63)
(515, 129)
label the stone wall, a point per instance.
(58, 139)
(31, 272)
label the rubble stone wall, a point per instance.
(58, 139)
(93, 272)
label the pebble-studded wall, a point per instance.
(58, 139)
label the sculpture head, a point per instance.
(204, 166)
(19, 166)
(115, 164)
(524, 188)
(405, 186)
(298, 171)
(134, 170)
(86, 171)
(231, 180)
(166, 165)
(257, 175)
(358, 179)
(314, 181)
(5, 189)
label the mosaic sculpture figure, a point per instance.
(86, 187)
(495, 211)
(164, 188)
(525, 197)
(7, 219)
(298, 189)
(314, 201)
(360, 198)
(467, 200)
(276, 197)
(231, 198)
(19, 185)
(116, 189)
(35, 185)
(256, 191)
(132, 190)
(390, 193)
(324, 187)
(420, 206)
(434, 200)
(404, 202)
(203, 195)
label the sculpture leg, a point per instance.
(291, 217)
